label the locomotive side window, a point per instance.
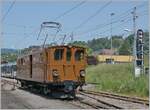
(79, 55)
(68, 54)
(58, 54)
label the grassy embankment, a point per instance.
(118, 78)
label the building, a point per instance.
(115, 58)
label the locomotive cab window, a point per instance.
(68, 54)
(79, 55)
(58, 54)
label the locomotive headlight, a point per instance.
(55, 73)
(82, 73)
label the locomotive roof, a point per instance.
(41, 49)
(66, 46)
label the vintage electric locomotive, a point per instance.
(53, 69)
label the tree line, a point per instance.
(122, 46)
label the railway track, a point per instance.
(97, 103)
(80, 102)
(90, 99)
(119, 97)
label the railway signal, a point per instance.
(139, 48)
(139, 52)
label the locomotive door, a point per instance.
(69, 73)
(79, 61)
(57, 62)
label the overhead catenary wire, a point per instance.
(114, 27)
(11, 6)
(61, 15)
(123, 15)
(119, 18)
(122, 18)
(101, 26)
(65, 14)
(128, 12)
(19, 26)
(93, 15)
(68, 11)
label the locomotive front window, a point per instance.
(68, 54)
(58, 54)
(79, 55)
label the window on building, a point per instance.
(109, 60)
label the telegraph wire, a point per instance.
(11, 6)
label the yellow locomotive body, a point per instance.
(55, 68)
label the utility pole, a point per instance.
(111, 33)
(134, 43)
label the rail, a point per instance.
(119, 97)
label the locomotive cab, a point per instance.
(67, 64)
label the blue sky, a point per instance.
(22, 23)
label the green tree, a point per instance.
(125, 48)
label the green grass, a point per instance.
(118, 78)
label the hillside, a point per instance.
(8, 50)
(9, 55)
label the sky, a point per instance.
(92, 19)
